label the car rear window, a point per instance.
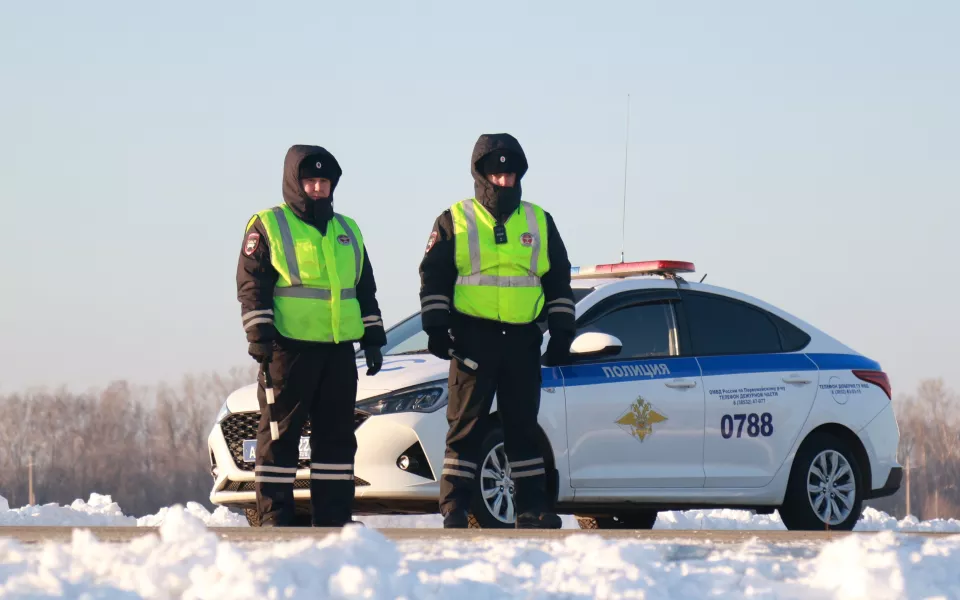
(725, 326)
(791, 337)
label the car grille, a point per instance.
(243, 426)
(299, 484)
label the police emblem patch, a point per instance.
(253, 240)
(431, 241)
(343, 239)
(526, 239)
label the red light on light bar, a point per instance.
(648, 266)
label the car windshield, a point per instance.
(408, 336)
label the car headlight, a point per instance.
(223, 413)
(427, 397)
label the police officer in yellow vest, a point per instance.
(307, 292)
(493, 266)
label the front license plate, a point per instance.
(250, 450)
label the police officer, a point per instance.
(493, 263)
(307, 292)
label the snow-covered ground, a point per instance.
(100, 510)
(185, 560)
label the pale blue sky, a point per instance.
(807, 155)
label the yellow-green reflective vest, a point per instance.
(315, 297)
(500, 282)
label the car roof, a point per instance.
(632, 282)
(613, 285)
(609, 286)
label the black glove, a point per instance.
(439, 343)
(260, 351)
(558, 348)
(374, 359)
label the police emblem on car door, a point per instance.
(635, 418)
(639, 419)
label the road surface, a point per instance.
(34, 535)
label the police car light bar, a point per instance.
(666, 268)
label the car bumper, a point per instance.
(890, 487)
(880, 438)
(382, 486)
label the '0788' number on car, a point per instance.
(761, 425)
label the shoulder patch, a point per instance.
(252, 243)
(431, 241)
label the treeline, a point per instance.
(147, 447)
(144, 446)
(929, 421)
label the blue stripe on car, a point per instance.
(754, 363)
(633, 370)
(841, 362)
(676, 367)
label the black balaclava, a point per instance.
(302, 161)
(497, 153)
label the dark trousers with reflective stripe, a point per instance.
(509, 366)
(318, 381)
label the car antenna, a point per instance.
(702, 278)
(626, 154)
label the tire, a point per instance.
(642, 519)
(481, 516)
(818, 453)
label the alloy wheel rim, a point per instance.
(496, 485)
(831, 487)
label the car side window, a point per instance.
(725, 326)
(645, 330)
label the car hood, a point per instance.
(398, 372)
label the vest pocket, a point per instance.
(309, 260)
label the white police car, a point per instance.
(678, 395)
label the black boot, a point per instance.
(538, 520)
(456, 519)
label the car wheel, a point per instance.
(825, 487)
(643, 519)
(493, 499)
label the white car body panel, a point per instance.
(753, 418)
(604, 453)
(880, 438)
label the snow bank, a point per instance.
(221, 517)
(875, 520)
(725, 519)
(100, 510)
(183, 559)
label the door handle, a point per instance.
(680, 383)
(796, 379)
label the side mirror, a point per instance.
(595, 344)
